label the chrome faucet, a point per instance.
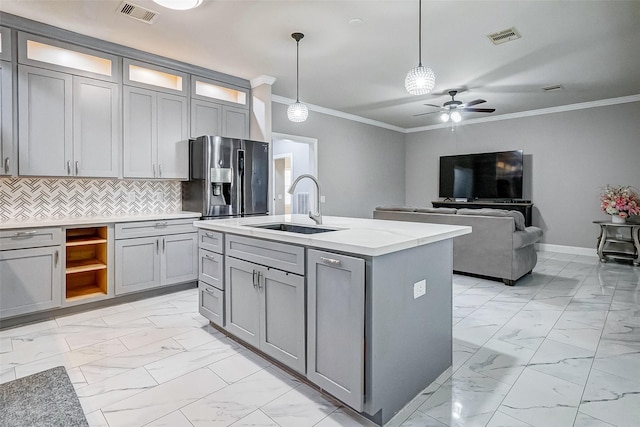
(317, 217)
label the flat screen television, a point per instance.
(496, 176)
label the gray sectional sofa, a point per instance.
(500, 246)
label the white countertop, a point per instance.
(73, 221)
(371, 237)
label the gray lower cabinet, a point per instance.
(148, 262)
(211, 303)
(335, 325)
(265, 307)
(211, 276)
(30, 280)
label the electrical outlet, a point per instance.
(131, 196)
(419, 288)
(159, 196)
(322, 199)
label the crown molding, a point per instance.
(531, 113)
(328, 111)
(262, 80)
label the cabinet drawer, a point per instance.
(211, 303)
(128, 230)
(30, 238)
(211, 240)
(272, 254)
(211, 268)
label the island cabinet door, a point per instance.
(242, 300)
(335, 325)
(282, 329)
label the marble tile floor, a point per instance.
(561, 348)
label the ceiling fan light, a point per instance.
(297, 112)
(420, 80)
(444, 117)
(456, 117)
(179, 4)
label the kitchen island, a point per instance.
(360, 307)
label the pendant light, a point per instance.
(420, 80)
(297, 112)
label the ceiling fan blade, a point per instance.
(479, 110)
(474, 102)
(432, 105)
(424, 114)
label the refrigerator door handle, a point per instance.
(240, 182)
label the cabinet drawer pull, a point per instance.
(164, 245)
(210, 235)
(55, 258)
(157, 246)
(154, 170)
(259, 275)
(330, 261)
(26, 233)
(208, 256)
(77, 168)
(207, 290)
(162, 224)
(6, 165)
(254, 278)
(68, 167)
(160, 170)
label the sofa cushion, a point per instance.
(518, 217)
(437, 210)
(528, 236)
(396, 208)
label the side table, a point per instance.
(619, 241)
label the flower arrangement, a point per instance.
(622, 201)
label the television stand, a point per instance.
(524, 207)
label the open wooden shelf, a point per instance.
(86, 266)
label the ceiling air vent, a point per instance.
(137, 12)
(504, 36)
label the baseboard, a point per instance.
(574, 250)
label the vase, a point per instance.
(617, 219)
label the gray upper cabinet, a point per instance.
(218, 109)
(5, 44)
(7, 162)
(155, 135)
(45, 122)
(69, 125)
(335, 302)
(206, 118)
(96, 128)
(235, 122)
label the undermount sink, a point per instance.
(293, 228)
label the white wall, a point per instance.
(359, 166)
(570, 156)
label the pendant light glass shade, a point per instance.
(179, 4)
(420, 80)
(297, 112)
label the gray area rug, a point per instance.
(43, 399)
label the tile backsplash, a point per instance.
(23, 199)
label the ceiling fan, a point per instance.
(451, 109)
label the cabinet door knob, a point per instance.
(330, 261)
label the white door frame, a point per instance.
(313, 155)
(274, 192)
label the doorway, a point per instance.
(292, 157)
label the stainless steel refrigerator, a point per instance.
(228, 177)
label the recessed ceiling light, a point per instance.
(355, 22)
(179, 4)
